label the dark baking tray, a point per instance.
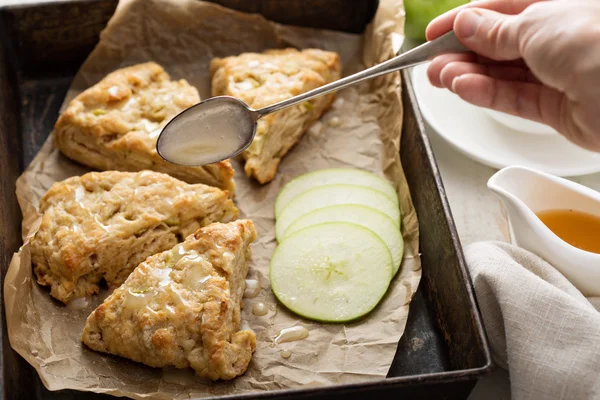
(443, 351)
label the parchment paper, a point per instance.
(183, 36)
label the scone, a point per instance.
(101, 225)
(181, 307)
(263, 79)
(114, 125)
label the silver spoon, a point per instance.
(222, 127)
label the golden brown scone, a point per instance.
(114, 125)
(182, 307)
(103, 224)
(263, 79)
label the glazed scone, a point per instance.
(181, 307)
(101, 225)
(114, 125)
(263, 79)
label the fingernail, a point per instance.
(467, 23)
(453, 85)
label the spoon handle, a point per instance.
(447, 43)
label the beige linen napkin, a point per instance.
(540, 327)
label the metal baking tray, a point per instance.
(443, 351)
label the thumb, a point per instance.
(488, 33)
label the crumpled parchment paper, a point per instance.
(362, 130)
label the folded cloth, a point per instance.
(540, 327)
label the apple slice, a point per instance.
(367, 217)
(332, 176)
(332, 272)
(331, 195)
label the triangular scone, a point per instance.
(263, 79)
(114, 125)
(182, 307)
(103, 224)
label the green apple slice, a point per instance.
(332, 272)
(367, 217)
(331, 195)
(332, 176)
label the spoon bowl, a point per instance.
(211, 131)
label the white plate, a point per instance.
(473, 132)
(520, 124)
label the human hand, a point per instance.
(535, 59)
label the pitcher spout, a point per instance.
(512, 185)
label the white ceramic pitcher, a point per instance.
(526, 192)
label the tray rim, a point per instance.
(451, 376)
(466, 275)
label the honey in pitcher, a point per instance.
(577, 228)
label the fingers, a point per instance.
(434, 70)
(444, 69)
(455, 69)
(523, 99)
(445, 22)
(531, 101)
